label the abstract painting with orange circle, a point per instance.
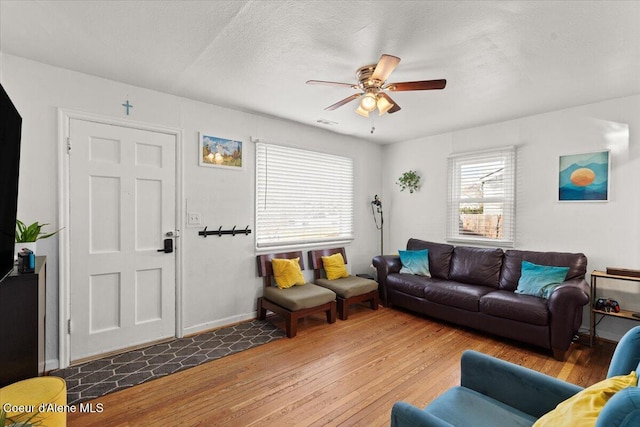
(584, 177)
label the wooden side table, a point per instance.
(625, 314)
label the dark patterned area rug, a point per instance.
(99, 377)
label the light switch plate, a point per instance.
(194, 219)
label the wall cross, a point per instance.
(127, 106)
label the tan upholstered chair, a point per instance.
(295, 302)
(350, 290)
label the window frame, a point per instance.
(507, 199)
(319, 200)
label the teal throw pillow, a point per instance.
(540, 280)
(415, 262)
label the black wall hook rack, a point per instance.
(219, 232)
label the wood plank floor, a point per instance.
(346, 374)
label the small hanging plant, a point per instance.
(409, 180)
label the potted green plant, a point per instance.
(409, 180)
(28, 235)
(27, 419)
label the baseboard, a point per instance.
(219, 323)
(51, 364)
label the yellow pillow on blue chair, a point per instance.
(287, 272)
(583, 408)
(334, 266)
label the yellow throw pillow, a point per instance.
(583, 408)
(334, 266)
(287, 272)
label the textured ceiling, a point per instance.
(502, 60)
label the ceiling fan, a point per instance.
(372, 84)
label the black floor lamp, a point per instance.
(378, 204)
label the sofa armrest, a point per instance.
(385, 265)
(565, 306)
(404, 414)
(525, 389)
(623, 409)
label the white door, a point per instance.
(122, 208)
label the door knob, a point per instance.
(168, 246)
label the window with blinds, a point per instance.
(302, 197)
(481, 204)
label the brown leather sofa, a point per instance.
(474, 287)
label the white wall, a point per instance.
(219, 277)
(607, 233)
(219, 274)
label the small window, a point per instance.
(302, 197)
(481, 206)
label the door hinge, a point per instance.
(69, 326)
(68, 144)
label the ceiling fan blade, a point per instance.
(344, 101)
(386, 65)
(395, 107)
(419, 85)
(322, 82)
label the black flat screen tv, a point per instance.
(10, 133)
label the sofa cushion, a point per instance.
(584, 408)
(512, 264)
(349, 286)
(453, 407)
(299, 297)
(415, 262)
(334, 266)
(476, 266)
(408, 283)
(287, 272)
(456, 294)
(439, 256)
(540, 280)
(521, 308)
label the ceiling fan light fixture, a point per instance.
(372, 87)
(362, 112)
(368, 102)
(383, 105)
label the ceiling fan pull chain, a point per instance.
(373, 128)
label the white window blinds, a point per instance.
(302, 197)
(481, 204)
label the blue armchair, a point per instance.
(496, 393)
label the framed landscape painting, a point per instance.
(584, 177)
(220, 152)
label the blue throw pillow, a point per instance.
(415, 262)
(540, 280)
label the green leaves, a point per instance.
(32, 232)
(21, 419)
(410, 180)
